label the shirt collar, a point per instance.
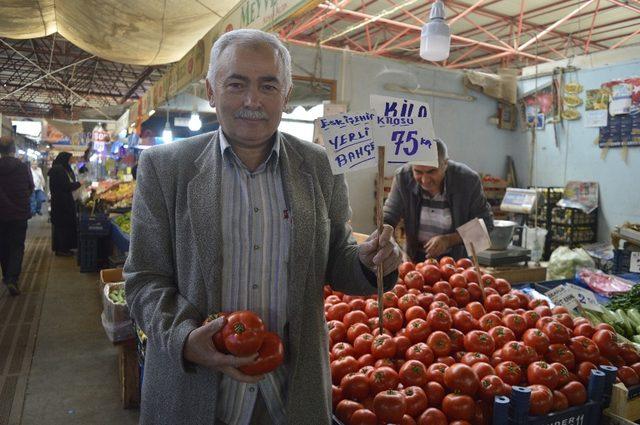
(224, 146)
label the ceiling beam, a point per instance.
(132, 89)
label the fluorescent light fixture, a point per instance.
(435, 39)
(195, 123)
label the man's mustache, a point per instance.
(249, 114)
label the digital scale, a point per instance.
(515, 201)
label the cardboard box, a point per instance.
(518, 274)
(108, 276)
(625, 402)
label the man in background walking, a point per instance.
(16, 186)
(38, 196)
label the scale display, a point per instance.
(519, 201)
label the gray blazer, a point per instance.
(464, 193)
(174, 266)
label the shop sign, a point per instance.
(349, 141)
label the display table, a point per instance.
(518, 273)
(129, 371)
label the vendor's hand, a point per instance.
(436, 246)
(201, 350)
(383, 250)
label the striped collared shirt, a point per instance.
(435, 217)
(256, 226)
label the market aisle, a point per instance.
(56, 362)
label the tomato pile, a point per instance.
(244, 335)
(444, 353)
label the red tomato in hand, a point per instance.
(270, 356)
(541, 400)
(243, 333)
(460, 378)
(389, 406)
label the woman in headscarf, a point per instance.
(62, 183)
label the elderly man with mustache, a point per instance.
(244, 218)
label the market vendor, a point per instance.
(433, 202)
(245, 218)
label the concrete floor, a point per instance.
(73, 374)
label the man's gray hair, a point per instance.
(250, 37)
(443, 153)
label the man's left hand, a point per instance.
(383, 250)
(437, 245)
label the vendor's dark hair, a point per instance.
(7, 146)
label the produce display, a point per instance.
(124, 222)
(116, 294)
(244, 334)
(111, 194)
(446, 351)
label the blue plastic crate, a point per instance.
(95, 225)
(515, 410)
(119, 238)
(621, 261)
(88, 253)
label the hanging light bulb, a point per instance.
(167, 134)
(195, 123)
(435, 39)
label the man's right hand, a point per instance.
(201, 350)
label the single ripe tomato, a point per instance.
(541, 400)
(542, 373)
(537, 339)
(355, 386)
(459, 407)
(439, 343)
(405, 268)
(516, 352)
(584, 372)
(436, 372)
(431, 274)
(383, 346)
(561, 354)
(509, 372)
(420, 352)
(342, 349)
(418, 330)
(490, 386)
(464, 321)
(243, 333)
(560, 401)
(413, 373)
(584, 329)
(461, 379)
(531, 317)
(501, 335)
(363, 417)
(607, 342)
(516, 323)
(383, 378)
(414, 279)
(482, 369)
(479, 341)
(270, 356)
(356, 330)
(493, 302)
(342, 367)
(628, 376)
(575, 392)
(389, 406)
(473, 357)
(417, 401)
(392, 319)
(557, 332)
(584, 349)
(465, 263)
(489, 321)
(338, 311)
(563, 373)
(345, 410)
(439, 319)
(433, 416)
(362, 344)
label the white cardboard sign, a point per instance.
(475, 232)
(634, 264)
(405, 128)
(348, 139)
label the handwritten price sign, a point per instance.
(349, 141)
(405, 127)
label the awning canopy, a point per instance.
(146, 32)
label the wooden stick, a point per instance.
(380, 222)
(477, 266)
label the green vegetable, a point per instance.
(636, 339)
(634, 316)
(627, 300)
(626, 323)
